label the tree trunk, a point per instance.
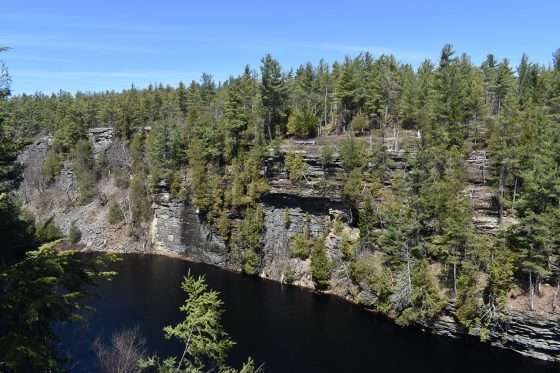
(531, 290)
(384, 124)
(408, 273)
(484, 170)
(324, 111)
(555, 298)
(514, 195)
(396, 134)
(455, 279)
(501, 194)
(268, 127)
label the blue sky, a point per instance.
(98, 45)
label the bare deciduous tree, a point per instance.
(122, 355)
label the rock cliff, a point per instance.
(317, 201)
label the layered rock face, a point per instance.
(316, 202)
(176, 227)
(289, 207)
(531, 336)
(526, 333)
(316, 214)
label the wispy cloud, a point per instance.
(11, 56)
(155, 75)
(58, 42)
(68, 21)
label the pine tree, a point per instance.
(524, 73)
(345, 92)
(235, 118)
(302, 123)
(273, 95)
(84, 170)
(500, 279)
(46, 288)
(201, 332)
(426, 97)
(182, 98)
(505, 82)
(407, 104)
(554, 94)
(320, 266)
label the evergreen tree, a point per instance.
(320, 266)
(273, 95)
(206, 344)
(302, 123)
(37, 293)
(84, 170)
(182, 98)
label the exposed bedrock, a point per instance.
(526, 333)
(177, 228)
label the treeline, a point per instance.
(207, 142)
(44, 283)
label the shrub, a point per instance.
(51, 165)
(86, 185)
(250, 262)
(300, 246)
(176, 184)
(84, 170)
(139, 201)
(251, 229)
(75, 234)
(360, 123)
(115, 213)
(121, 178)
(353, 154)
(302, 123)
(338, 226)
(353, 186)
(224, 225)
(348, 247)
(296, 167)
(48, 231)
(290, 275)
(372, 276)
(327, 155)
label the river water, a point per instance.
(287, 328)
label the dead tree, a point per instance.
(122, 355)
(401, 298)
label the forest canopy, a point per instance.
(208, 141)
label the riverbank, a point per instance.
(287, 328)
(528, 335)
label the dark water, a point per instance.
(287, 328)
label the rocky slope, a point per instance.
(316, 202)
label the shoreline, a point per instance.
(428, 327)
